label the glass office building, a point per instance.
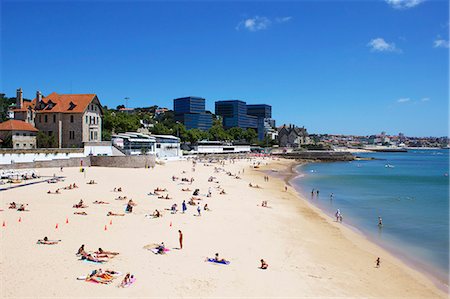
(260, 111)
(234, 114)
(191, 112)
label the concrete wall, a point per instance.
(124, 161)
(318, 155)
(70, 162)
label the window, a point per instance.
(97, 120)
(71, 118)
(17, 145)
(17, 134)
(158, 146)
(40, 119)
(24, 134)
(71, 135)
(24, 145)
(45, 118)
(95, 135)
(50, 133)
(86, 119)
(54, 118)
(91, 135)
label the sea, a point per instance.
(409, 191)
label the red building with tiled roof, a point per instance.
(72, 118)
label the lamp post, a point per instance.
(126, 101)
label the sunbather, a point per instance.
(22, 208)
(80, 213)
(114, 214)
(12, 205)
(81, 250)
(98, 202)
(101, 253)
(46, 241)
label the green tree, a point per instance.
(194, 135)
(217, 132)
(250, 135)
(45, 141)
(236, 133)
(160, 129)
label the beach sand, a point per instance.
(309, 255)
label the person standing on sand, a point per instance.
(285, 188)
(198, 209)
(183, 206)
(378, 262)
(180, 238)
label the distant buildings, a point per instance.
(18, 134)
(236, 113)
(265, 123)
(292, 136)
(191, 112)
(72, 118)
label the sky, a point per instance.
(337, 67)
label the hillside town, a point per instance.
(79, 121)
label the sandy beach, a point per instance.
(309, 255)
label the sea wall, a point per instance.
(101, 161)
(141, 161)
(69, 162)
(326, 156)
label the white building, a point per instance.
(167, 146)
(218, 147)
(133, 143)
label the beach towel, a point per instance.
(218, 262)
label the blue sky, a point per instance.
(344, 67)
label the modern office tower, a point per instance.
(191, 112)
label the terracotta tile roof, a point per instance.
(16, 125)
(26, 105)
(65, 103)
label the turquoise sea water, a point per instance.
(411, 195)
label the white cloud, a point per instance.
(403, 4)
(258, 23)
(441, 43)
(403, 100)
(254, 24)
(380, 45)
(425, 99)
(283, 19)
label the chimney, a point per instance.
(19, 98)
(38, 96)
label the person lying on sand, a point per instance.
(46, 241)
(12, 205)
(206, 208)
(101, 253)
(160, 190)
(118, 189)
(186, 189)
(92, 258)
(156, 214)
(264, 265)
(191, 202)
(91, 182)
(100, 277)
(121, 198)
(132, 203)
(80, 213)
(22, 208)
(100, 202)
(114, 214)
(222, 192)
(217, 259)
(164, 197)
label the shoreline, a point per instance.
(291, 173)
